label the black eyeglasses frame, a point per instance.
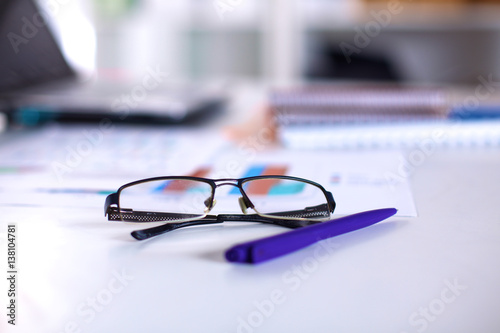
(114, 212)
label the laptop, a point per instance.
(37, 81)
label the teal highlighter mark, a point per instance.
(287, 189)
(254, 170)
(17, 170)
(199, 189)
(9, 170)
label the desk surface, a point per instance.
(437, 272)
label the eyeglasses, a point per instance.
(187, 201)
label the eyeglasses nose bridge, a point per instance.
(227, 182)
(244, 201)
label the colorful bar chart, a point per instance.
(258, 187)
(182, 186)
(266, 187)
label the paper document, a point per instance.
(48, 168)
(359, 180)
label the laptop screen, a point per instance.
(29, 54)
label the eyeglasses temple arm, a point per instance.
(287, 223)
(161, 229)
(210, 219)
(331, 201)
(111, 199)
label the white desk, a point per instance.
(438, 272)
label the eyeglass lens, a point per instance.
(182, 197)
(287, 198)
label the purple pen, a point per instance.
(275, 246)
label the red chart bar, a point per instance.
(262, 187)
(181, 185)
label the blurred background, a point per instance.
(441, 41)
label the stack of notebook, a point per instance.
(346, 116)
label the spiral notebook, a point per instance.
(367, 116)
